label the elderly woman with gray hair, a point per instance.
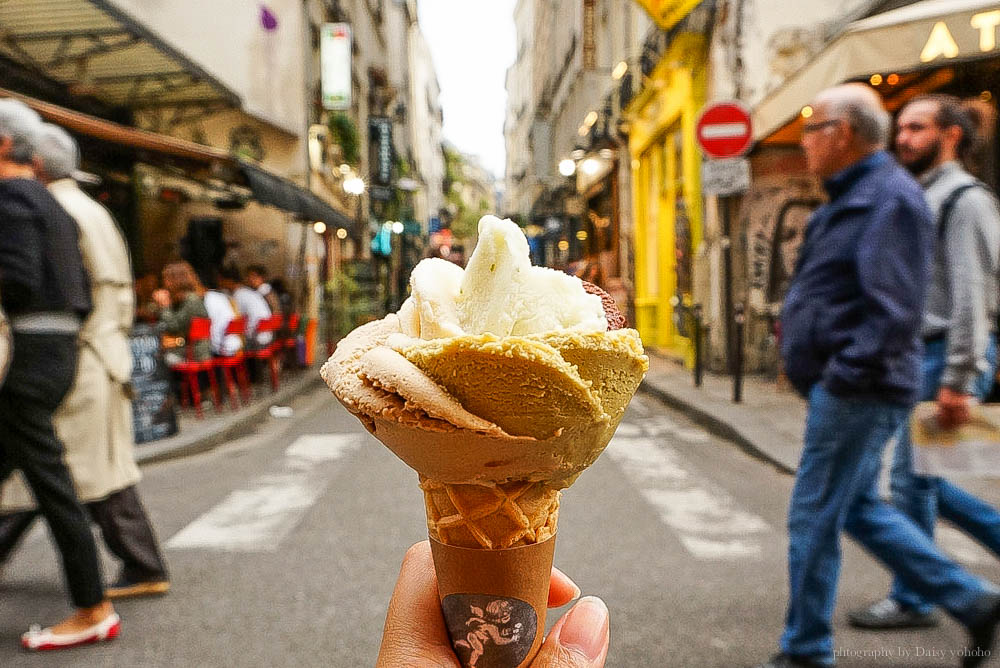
(95, 419)
(43, 289)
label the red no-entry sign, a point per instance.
(724, 130)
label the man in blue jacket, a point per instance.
(851, 325)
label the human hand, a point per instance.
(162, 298)
(415, 633)
(953, 408)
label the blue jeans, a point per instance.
(836, 490)
(923, 497)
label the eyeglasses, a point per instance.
(808, 128)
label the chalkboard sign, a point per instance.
(153, 411)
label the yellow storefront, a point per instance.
(667, 193)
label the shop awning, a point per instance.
(96, 49)
(271, 189)
(266, 187)
(919, 36)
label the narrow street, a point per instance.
(284, 547)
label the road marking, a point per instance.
(961, 547)
(259, 518)
(706, 519)
(661, 424)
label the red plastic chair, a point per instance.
(270, 352)
(293, 329)
(237, 363)
(200, 330)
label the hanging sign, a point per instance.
(335, 65)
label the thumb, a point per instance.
(579, 639)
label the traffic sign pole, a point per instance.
(725, 131)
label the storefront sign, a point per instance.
(153, 411)
(725, 177)
(724, 130)
(942, 43)
(335, 65)
(380, 141)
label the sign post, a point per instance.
(725, 133)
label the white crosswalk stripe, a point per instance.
(962, 548)
(706, 519)
(258, 518)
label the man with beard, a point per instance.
(933, 134)
(851, 344)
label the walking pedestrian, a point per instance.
(850, 343)
(43, 289)
(95, 420)
(933, 133)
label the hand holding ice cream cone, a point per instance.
(415, 632)
(499, 385)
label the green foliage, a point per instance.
(344, 133)
(466, 220)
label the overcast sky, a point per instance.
(472, 43)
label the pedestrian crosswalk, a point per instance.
(258, 518)
(650, 448)
(706, 520)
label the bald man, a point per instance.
(851, 326)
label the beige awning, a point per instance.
(923, 35)
(96, 49)
(198, 160)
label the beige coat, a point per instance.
(95, 420)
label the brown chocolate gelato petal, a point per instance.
(615, 318)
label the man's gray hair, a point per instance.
(20, 124)
(862, 108)
(57, 151)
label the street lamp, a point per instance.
(354, 185)
(567, 167)
(591, 166)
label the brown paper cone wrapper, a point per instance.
(494, 601)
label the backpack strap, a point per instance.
(949, 204)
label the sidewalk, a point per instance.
(769, 423)
(217, 427)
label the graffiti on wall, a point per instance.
(774, 216)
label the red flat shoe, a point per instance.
(38, 639)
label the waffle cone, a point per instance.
(491, 516)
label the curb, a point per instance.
(714, 424)
(239, 425)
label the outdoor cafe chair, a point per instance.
(200, 330)
(237, 363)
(269, 352)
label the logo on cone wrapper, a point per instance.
(489, 631)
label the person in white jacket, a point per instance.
(95, 419)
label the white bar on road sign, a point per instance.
(724, 130)
(725, 177)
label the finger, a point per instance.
(579, 639)
(562, 590)
(415, 634)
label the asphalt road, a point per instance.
(284, 547)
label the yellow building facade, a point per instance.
(667, 200)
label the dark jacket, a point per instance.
(852, 315)
(41, 268)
